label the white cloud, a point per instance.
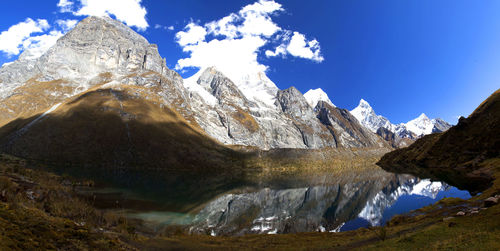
(257, 20)
(66, 25)
(131, 12)
(11, 40)
(233, 57)
(38, 45)
(299, 46)
(233, 43)
(23, 37)
(193, 35)
(65, 6)
(159, 26)
(280, 50)
(262, 7)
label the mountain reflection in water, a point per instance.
(318, 208)
(276, 202)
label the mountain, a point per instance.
(422, 125)
(411, 130)
(393, 139)
(464, 156)
(346, 127)
(102, 95)
(95, 52)
(313, 96)
(104, 80)
(368, 118)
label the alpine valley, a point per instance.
(104, 147)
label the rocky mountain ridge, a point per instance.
(401, 134)
(102, 53)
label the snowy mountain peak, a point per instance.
(364, 103)
(365, 114)
(423, 117)
(419, 126)
(365, 106)
(313, 96)
(422, 125)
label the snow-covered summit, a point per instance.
(256, 87)
(422, 125)
(365, 114)
(313, 96)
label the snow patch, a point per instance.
(191, 85)
(313, 96)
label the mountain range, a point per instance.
(103, 80)
(401, 134)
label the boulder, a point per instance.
(491, 201)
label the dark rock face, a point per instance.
(222, 88)
(346, 128)
(293, 103)
(440, 125)
(393, 139)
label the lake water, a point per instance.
(282, 204)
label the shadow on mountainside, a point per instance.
(115, 138)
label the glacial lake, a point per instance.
(272, 204)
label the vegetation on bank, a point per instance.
(40, 210)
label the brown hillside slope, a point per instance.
(457, 155)
(117, 136)
(115, 128)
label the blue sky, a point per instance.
(403, 57)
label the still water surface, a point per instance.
(282, 204)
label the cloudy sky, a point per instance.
(404, 57)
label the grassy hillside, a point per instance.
(40, 211)
(107, 127)
(458, 155)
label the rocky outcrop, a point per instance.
(393, 139)
(440, 125)
(314, 134)
(225, 113)
(346, 128)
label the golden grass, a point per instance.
(245, 119)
